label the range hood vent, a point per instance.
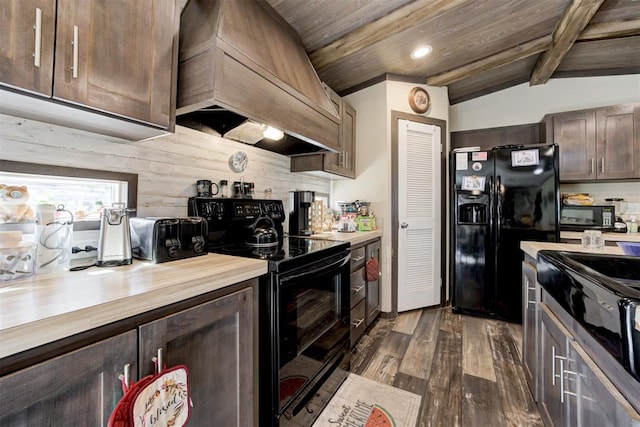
(241, 67)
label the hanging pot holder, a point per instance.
(373, 270)
(159, 400)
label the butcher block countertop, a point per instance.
(532, 248)
(354, 238)
(44, 308)
(614, 237)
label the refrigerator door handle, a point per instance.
(498, 208)
(491, 205)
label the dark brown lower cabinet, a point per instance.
(216, 341)
(554, 341)
(79, 388)
(365, 287)
(531, 295)
(573, 389)
(372, 281)
(215, 337)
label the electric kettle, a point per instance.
(114, 242)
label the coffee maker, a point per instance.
(300, 210)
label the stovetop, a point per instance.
(289, 253)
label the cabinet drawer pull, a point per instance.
(358, 289)
(74, 67)
(358, 258)
(38, 38)
(357, 322)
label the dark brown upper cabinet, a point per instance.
(118, 58)
(27, 33)
(342, 163)
(597, 144)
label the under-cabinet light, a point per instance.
(272, 133)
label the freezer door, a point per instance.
(527, 208)
(472, 254)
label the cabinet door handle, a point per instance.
(553, 365)
(358, 289)
(593, 166)
(37, 48)
(125, 377)
(358, 258)
(554, 356)
(564, 373)
(74, 67)
(602, 165)
(357, 322)
(529, 288)
(346, 159)
(158, 361)
(404, 225)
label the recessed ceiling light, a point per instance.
(421, 52)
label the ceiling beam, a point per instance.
(503, 58)
(573, 21)
(597, 31)
(610, 30)
(397, 21)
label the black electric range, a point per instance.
(290, 253)
(303, 305)
(231, 222)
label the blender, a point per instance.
(620, 207)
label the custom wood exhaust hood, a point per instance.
(241, 63)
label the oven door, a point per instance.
(312, 323)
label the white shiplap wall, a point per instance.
(167, 167)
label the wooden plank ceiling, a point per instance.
(478, 46)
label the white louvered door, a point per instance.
(418, 215)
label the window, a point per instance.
(83, 192)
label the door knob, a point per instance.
(403, 225)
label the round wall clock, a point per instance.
(238, 161)
(419, 100)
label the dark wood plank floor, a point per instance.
(467, 369)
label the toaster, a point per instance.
(168, 239)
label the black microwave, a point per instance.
(580, 218)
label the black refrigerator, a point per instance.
(500, 197)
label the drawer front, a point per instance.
(357, 258)
(358, 286)
(358, 323)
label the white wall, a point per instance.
(167, 167)
(373, 157)
(528, 104)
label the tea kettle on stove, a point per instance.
(114, 241)
(263, 233)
